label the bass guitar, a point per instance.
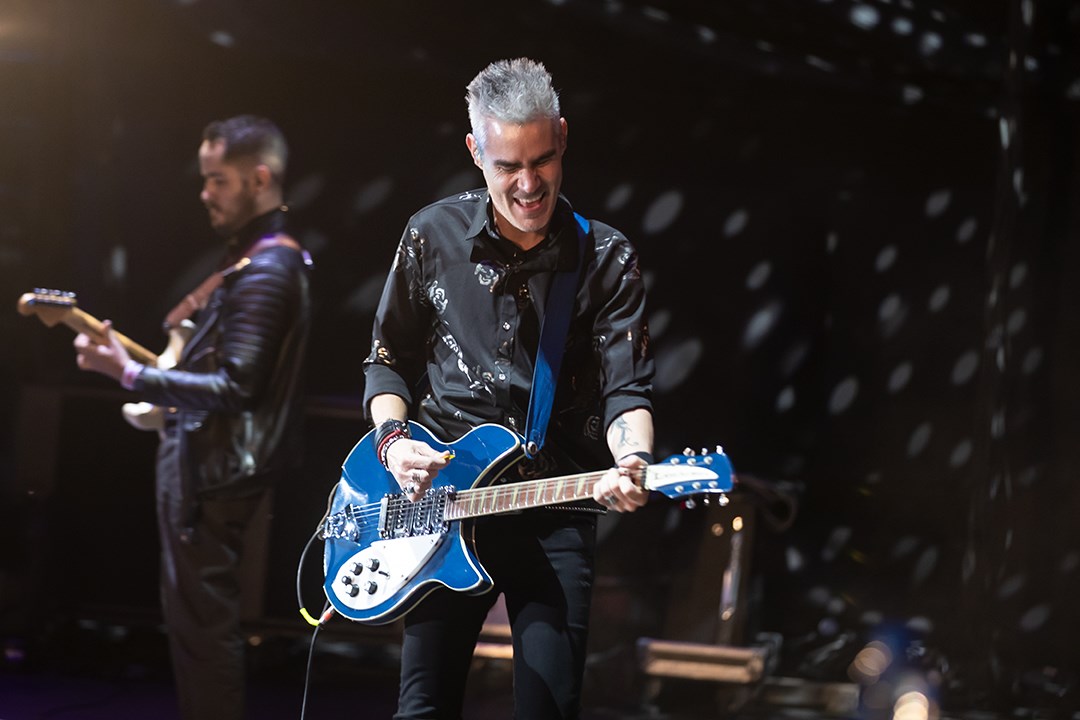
(53, 307)
(384, 553)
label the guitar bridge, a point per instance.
(400, 517)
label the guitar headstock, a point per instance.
(51, 306)
(690, 473)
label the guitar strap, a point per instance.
(196, 299)
(549, 353)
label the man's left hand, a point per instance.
(620, 488)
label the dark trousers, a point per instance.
(201, 594)
(542, 562)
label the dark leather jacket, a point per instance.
(237, 389)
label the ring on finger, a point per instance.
(410, 489)
(611, 500)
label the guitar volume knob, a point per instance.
(371, 587)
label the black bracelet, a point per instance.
(646, 456)
(390, 426)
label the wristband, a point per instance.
(131, 372)
(389, 432)
(646, 456)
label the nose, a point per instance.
(528, 180)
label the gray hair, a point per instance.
(515, 91)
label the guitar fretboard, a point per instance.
(509, 497)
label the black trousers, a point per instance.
(542, 562)
(201, 593)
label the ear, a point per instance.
(263, 177)
(562, 134)
(474, 150)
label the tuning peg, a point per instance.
(688, 452)
(719, 449)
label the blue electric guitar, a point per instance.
(384, 553)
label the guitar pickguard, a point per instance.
(376, 573)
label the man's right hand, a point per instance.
(414, 464)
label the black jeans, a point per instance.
(201, 593)
(542, 561)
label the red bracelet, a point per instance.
(384, 446)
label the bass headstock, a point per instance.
(50, 306)
(689, 474)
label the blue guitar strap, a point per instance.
(560, 304)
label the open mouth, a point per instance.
(530, 204)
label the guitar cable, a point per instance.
(327, 611)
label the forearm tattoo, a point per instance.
(622, 437)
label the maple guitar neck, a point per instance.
(84, 322)
(51, 310)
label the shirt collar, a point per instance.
(482, 233)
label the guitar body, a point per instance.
(374, 579)
(385, 553)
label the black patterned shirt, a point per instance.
(457, 328)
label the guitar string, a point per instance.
(364, 512)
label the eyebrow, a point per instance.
(505, 164)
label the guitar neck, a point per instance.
(83, 322)
(509, 497)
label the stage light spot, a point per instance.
(831, 241)
(1011, 586)
(920, 624)
(222, 38)
(1016, 321)
(1035, 618)
(919, 439)
(965, 367)
(760, 324)
(975, 39)
(899, 377)
(1028, 476)
(662, 212)
(676, 363)
(1005, 132)
(902, 26)
(758, 275)
(818, 596)
(904, 546)
(838, 538)
(618, 197)
(843, 395)
(865, 17)
(794, 560)
(793, 359)
(118, 263)
(372, 195)
(891, 314)
(871, 618)
(938, 202)
(785, 400)
(885, 258)
(924, 566)
(911, 94)
(1069, 563)
(827, 627)
(819, 63)
(658, 322)
(736, 222)
(303, 192)
(966, 231)
(1032, 360)
(1017, 275)
(706, 34)
(960, 454)
(930, 43)
(656, 14)
(939, 298)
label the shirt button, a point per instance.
(506, 326)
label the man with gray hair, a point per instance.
(454, 346)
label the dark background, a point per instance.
(859, 230)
